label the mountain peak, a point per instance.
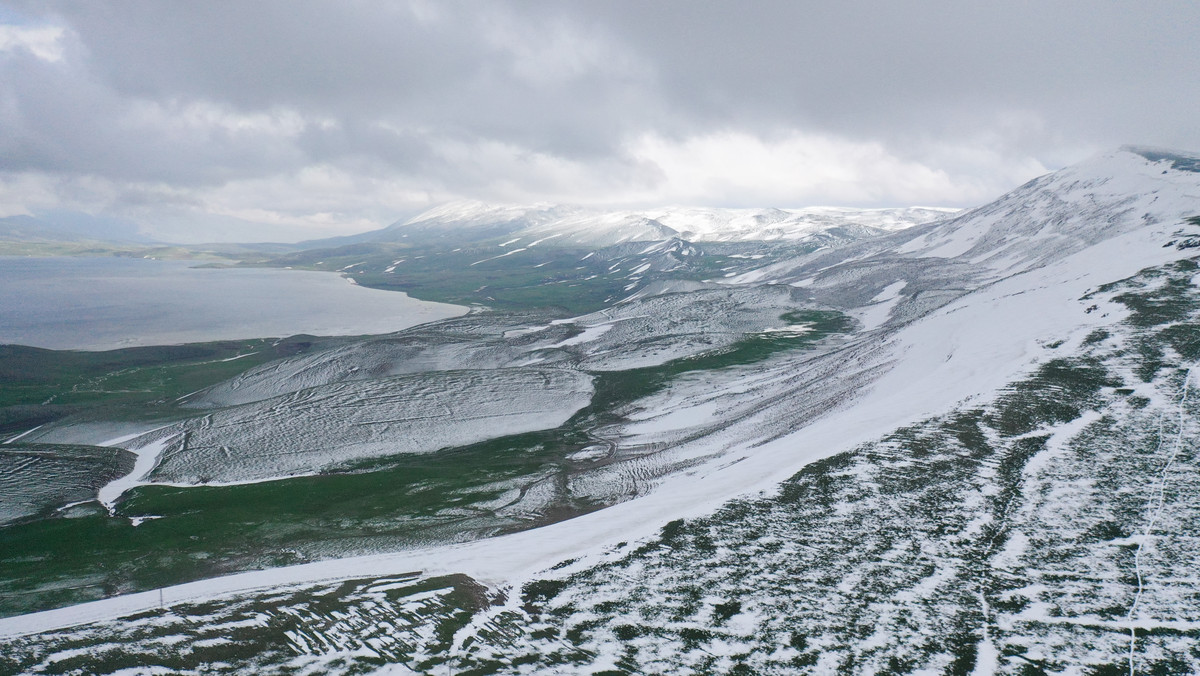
(1181, 161)
(469, 211)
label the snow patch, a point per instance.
(147, 458)
(589, 334)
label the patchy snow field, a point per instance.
(312, 430)
(997, 477)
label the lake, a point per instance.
(107, 303)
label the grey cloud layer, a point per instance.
(518, 100)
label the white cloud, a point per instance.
(44, 42)
(28, 192)
(732, 168)
(793, 169)
(317, 201)
(555, 51)
(801, 169)
(185, 116)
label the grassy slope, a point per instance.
(211, 530)
(142, 382)
(575, 279)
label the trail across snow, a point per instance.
(1156, 514)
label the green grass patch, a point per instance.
(1171, 302)
(133, 383)
(205, 531)
(542, 277)
(618, 387)
(1057, 392)
(570, 279)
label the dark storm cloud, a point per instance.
(581, 100)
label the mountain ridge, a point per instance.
(474, 220)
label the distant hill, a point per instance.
(471, 221)
(69, 227)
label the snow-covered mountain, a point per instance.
(545, 255)
(575, 225)
(966, 446)
(724, 225)
(1045, 220)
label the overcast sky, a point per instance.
(290, 120)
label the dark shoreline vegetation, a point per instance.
(82, 553)
(574, 280)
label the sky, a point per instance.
(297, 119)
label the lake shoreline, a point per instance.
(99, 304)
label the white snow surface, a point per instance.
(147, 457)
(877, 313)
(715, 225)
(962, 351)
(313, 429)
(586, 336)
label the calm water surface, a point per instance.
(106, 303)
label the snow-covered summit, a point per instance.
(524, 225)
(574, 224)
(466, 213)
(1047, 219)
(701, 224)
(1055, 215)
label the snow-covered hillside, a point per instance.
(991, 468)
(1044, 220)
(534, 224)
(724, 225)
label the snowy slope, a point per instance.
(951, 315)
(1038, 224)
(1056, 215)
(1042, 221)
